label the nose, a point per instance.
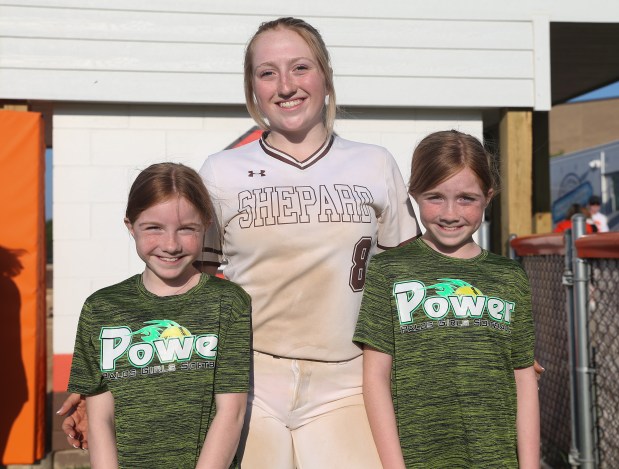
(286, 86)
(449, 212)
(171, 243)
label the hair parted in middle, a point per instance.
(163, 181)
(316, 44)
(441, 155)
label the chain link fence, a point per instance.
(543, 258)
(551, 350)
(604, 342)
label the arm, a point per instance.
(75, 426)
(224, 433)
(379, 407)
(527, 418)
(102, 432)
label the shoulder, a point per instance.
(228, 288)
(366, 149)
(399, 254)
(510, 266)
(112, 291)
(230, 157)
(367, 158)
(239, 152)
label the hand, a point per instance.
(539, 370)
(75, 426)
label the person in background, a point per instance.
(566, 223)
(597, 217)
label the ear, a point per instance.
(129, 226)
(489, 196)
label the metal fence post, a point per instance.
(568, 282)
(585, 409)
(511, 252)
(484, 235)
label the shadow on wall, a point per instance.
(14, 390)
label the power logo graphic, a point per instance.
(452, 297)
(167, 340)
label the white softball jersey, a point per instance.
(297, 236)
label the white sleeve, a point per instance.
(604, 224)
(397, 222)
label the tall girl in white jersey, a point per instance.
(299, 214)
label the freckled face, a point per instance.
(168, 238)
(451, 212)
(288, 84)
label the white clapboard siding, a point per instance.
(119, 56)
(564, 10)
(156, 26)
(192, 51)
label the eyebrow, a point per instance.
(294, 59)
(459, 194)
(158, 223)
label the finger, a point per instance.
(76, 443)
(68, 427)
(70, 402)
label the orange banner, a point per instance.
(22, 287)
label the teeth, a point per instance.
(169, 259)
(289, 104)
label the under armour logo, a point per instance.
(262, 172)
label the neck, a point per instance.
(464, 251)
(301, 147)
(164, 287)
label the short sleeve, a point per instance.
(375, 323)
(86, 377)
(397, 222)
(234, 347)
(212, 247)
(523, 341)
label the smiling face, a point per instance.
(168, 238)
(451, 212)
(288, 84)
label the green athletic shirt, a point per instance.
(456, 329)
(163, 359)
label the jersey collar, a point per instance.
(291, 160)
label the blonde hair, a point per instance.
(316, 44)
